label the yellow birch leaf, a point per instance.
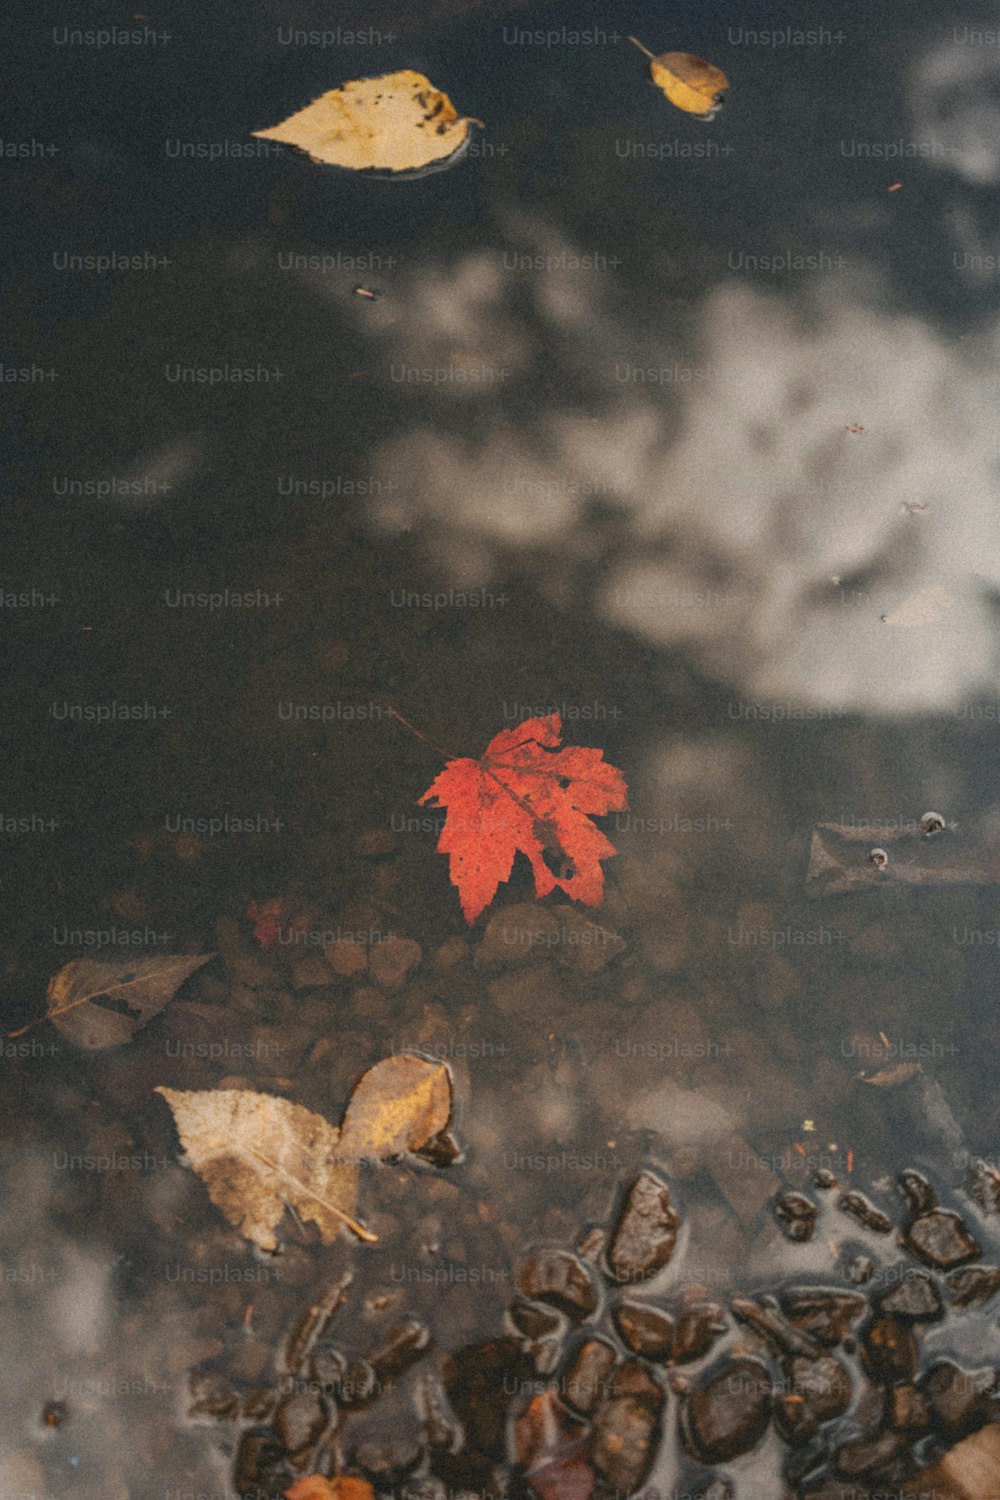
(398, 122)
(255, 1153)
(689, 82)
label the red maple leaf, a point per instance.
(525, 795)
(270, 917)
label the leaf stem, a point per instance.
(352, 1224)
(447, 754)
(641, 48)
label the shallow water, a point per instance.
(587, 399)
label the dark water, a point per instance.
(679, 548)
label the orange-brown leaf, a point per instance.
(343, 1487)
(398, 1105)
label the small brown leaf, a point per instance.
(103, 1005)
(256, 1153)
(399, 1105)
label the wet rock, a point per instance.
(632, 1378)
(779, 1332)
(258, 1405)
(560, 1278)
(973, 1285)
(889, 1351)
(516, 933)
(727, 1414)
(370, 1007)
(528, 931)
(716, 1489)
(550, 1446)
(472, 1377)
(443, 1150)
(211, 1031)
(699, 1324)
(646, 1231)
(915, 1298)
(452, 952)
(260, 1471)
(284, 1047)
(346, 957)
(300, 1419)
(859, 1269)
(796, 1214)
(819, 1390)
(585, 1380)
(391, 960)
(626, 1427)
(592, 1242)
(310, 972)
(212, 1395)
(917, 1192)
(327, 1366)
(824, 1179)
(959, 1400)
(313, 1321)
(404, 1346)
(584, 946)
(537, 989)
(388, 1446)
(534, 1320)
(870, 1457)
(941, 1239)
(251, 972)
(823, 1384)
(984, 1185)
(827, 1316)
(645, 1329)
(908, 1411)
(358, 1385)
(866, 1213)
(440, 1427)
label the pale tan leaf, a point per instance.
(399, 1105)
(398, 122)
(256, 1153)
(103, 1004)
